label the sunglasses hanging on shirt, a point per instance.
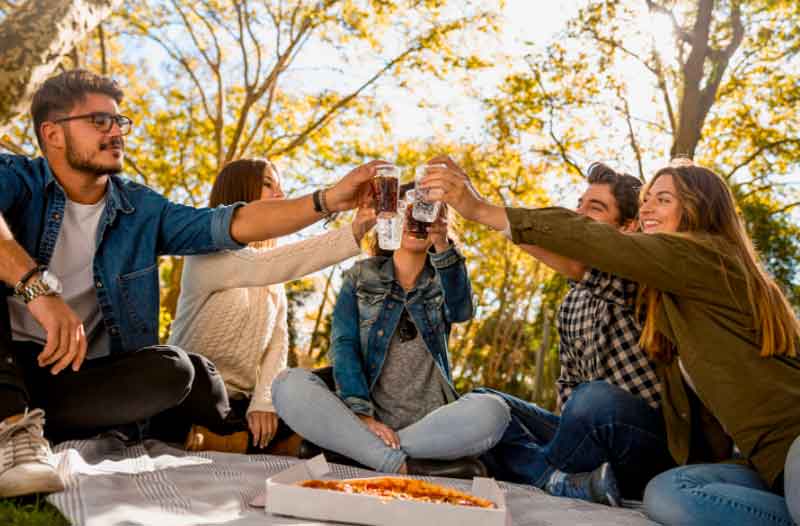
(406, 329)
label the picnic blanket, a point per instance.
(153, 483)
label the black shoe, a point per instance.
(308, 450)
(462, 468)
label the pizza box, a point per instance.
(283, 497)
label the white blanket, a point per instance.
(152, 483)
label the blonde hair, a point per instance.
(708, 209)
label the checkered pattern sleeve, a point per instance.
(566, 380)
(600, 338)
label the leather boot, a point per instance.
(201, 439)
(462, 468)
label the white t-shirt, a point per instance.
(72, 261)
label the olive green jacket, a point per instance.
(708, 319)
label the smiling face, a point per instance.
(598, 203)
(661, 209)
(86, 148)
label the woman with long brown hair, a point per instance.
(232, 308)
(722, 333)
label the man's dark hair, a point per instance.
(58, 95)
(625, 189)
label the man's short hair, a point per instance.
(624, 187)
(58, 95)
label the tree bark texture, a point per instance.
(33, 40)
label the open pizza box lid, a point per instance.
(283, 497)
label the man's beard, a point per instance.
(85, 163)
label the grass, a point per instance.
(30, 510)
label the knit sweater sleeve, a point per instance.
(273, 359)
(258, 268)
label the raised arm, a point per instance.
(568, 267)
(670, 262)
(259, 268)
(261, 220)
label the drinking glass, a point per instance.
(424, 210)
(385, 186)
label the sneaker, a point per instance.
(26, 460)
(598, 486)
(202, 439)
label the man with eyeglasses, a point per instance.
(79, 248)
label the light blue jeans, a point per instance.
(469, 426)
(714, 494)
(791, 480)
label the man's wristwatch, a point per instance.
(46, 284)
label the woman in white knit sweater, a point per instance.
(232, 307)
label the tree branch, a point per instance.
(632, 136)
(303, 135)
(758, 152)
(11, 147)
(551, 110)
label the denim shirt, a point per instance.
(136, 227)
(368, 310)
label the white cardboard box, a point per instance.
(283, 497)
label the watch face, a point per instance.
(52, 282)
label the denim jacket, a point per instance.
(368, 310)
(136, 227)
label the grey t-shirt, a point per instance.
(71, 262)
(410, 385)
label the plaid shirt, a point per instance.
(599, 338)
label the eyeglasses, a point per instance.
(103, 121)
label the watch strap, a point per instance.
(25, 277)
(36, 288)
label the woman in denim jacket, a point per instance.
(396, 402)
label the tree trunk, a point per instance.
(702, 74)
(34, 38)
(543, 348)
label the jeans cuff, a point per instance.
(221, 227)
(392, 461)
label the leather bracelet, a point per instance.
(316, 199)
(25, 277)
(324, 204)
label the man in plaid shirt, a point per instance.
(611, 424)
(599, 338)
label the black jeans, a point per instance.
(162, 385)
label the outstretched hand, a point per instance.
(364, 221)
(353, 189)
(447, 182)
(437, 232)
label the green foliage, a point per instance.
(30, 511)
